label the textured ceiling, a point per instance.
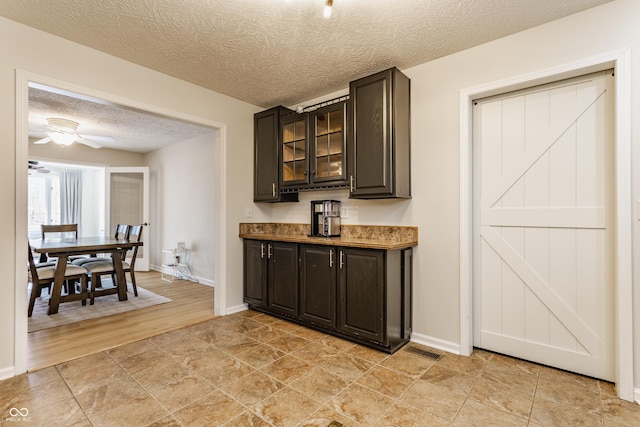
(272, 52)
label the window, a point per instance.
(43, 201)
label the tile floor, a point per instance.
(250, 369)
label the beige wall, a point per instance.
(183, 200)
(81, 154)
(36, 52)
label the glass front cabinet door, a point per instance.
(294, 151)
(328, 142)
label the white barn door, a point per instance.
(543, 236)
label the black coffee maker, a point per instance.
(325, 218)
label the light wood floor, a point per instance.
(192, 303)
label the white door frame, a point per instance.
(621, 63)
(23, 78)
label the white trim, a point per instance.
(23, 78)
(436, 343)
(237, 308)
(620, 61)
(636, 394)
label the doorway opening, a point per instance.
(216, 138)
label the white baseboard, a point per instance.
(169, 271)
(7, 373)
(237, 309)
(436, 343)
(636, 395)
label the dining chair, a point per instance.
(97, 269)
(121, 232)
(57, 231)
(42, 277)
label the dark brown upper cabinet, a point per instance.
(266, 173)
(328, 143)
(379, 136)
(295, 162)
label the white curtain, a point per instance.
(71, 198)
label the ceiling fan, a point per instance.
(63, 132)
(35, 166)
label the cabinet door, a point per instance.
(379, 136)
(255, 272)
(267, 158)
(318, 284)
(361, 293)
(295, 165)
(283, 277)
(328, 142)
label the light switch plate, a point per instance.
(248, 212)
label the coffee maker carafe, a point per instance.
(325, 218)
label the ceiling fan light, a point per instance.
(62, 138)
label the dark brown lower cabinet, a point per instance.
(359, 294)
(318, 284)
(255, 273)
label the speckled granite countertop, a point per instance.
(355, 236)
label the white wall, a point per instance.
(36, 52)
(435, 121)
(182, 192)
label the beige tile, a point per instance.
(347, 367)
(386, 381)
(226, 371)
(141, 361)
(287, 369)
(95, 377)
(366, 353)
(470, 365)
(265, 318)
(63, 413)
(401, 415)
(608, 389)
(449, 380)
(35, 398)
(508, 400)
(516, 364)
(288, 343)
(616, 410)
(477, 414)
(565, 377)
(267, 333)
(246, 419)
(362, 404)
(309, 334)
(260, 355)
(408, 364)
(136, 412)
(182, 392)
(569, 393)
(236, 344)
(252, 388)
(316, 352)
(162, 374)
(338, 343)
(432, 399)
(168, 421)
(547, 413)
(128, 350)
(84, 364)
(286, 408)
(100, 399)
(186, 347)
(213, 409)
(170, 337)
(327, 417)
(198, 356)
(12, 386)
(511, 375)
(320, 385)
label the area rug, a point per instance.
(72, 312)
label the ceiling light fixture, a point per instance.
(63, 131)
(327, 9)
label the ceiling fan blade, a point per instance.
(43, 140)
(98, 138)
(89, 143)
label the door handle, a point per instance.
(341, 259)
(331, 258)
(352, 185)
(269, 251)
(273, 189)
(261, 250)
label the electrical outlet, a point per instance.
(248, 212)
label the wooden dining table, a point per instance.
(62, 249)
